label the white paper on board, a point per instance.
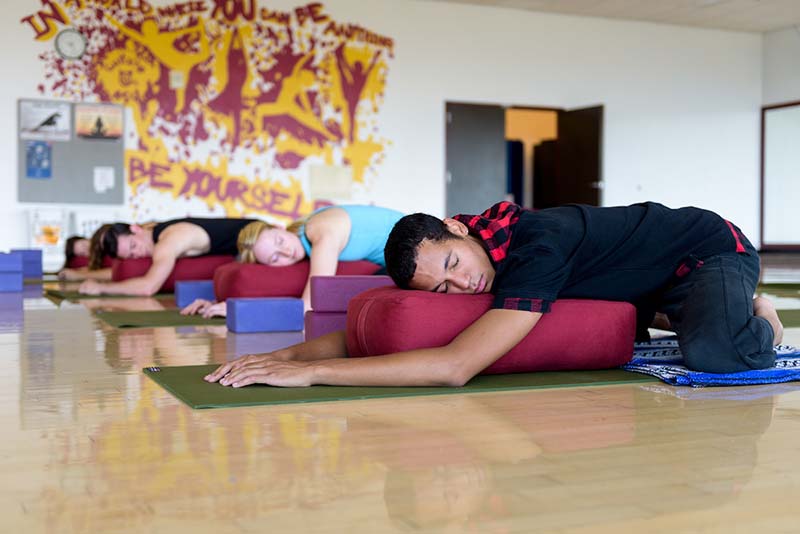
(103, 179)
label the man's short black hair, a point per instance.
(403, 243)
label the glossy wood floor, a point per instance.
(89, 444)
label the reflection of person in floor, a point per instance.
(326, 237)
(79, 247)
(502, 465)
(131, 349)
(691, 264)
(440, 465)
(165, 243)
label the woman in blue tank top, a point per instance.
(327, 236)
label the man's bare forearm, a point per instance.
(325, 347)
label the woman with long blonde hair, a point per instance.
(327, 236)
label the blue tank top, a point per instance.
(369, 229)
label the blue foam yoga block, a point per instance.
(11, 281)
(11, 302)
(31, 261)
(187, 291)
(273, 314)
(11, 263)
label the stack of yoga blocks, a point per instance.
(31, 262)
(330, 296)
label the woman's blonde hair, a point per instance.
(249, 235)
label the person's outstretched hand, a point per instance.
(206, 308)
(90, 287)
(263, 369)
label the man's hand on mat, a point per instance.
(263, 369)
(91, 287)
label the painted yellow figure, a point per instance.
(162, 45)
(293, 101)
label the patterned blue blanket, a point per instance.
(663, 359)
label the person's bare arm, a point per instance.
(83, 273)
(328, 233)
(477, 347)
(333, 345)
(144, 286)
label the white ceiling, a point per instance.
(739, 15)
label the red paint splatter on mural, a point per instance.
(289, 160)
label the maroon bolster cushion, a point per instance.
(241, 280)
(196, 268)
(76, 262)
(576, 334)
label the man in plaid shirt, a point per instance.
(689, 264)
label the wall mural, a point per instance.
(232, 102)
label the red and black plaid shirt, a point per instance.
(494, 227)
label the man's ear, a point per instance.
(456, 227)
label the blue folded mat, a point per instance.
(663, 359)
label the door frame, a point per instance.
(771, 246)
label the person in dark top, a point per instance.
(165, 242)
(689, 264)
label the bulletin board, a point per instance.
(70, 152)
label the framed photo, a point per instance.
(98, 121)
(43, 120)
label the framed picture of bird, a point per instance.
(44, 120)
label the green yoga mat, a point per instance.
(149, 319)
(35, 281)
(789, 286)
(187, 384)
(73, 295)
(790, 318)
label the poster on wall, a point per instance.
(95, 121)
(38, 160)
(44, 121)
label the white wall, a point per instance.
(681, 104)
(781, 66)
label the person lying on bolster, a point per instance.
(165, 242)
(328, 236)
(79, 247)
(690, 264)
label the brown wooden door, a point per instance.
(569, 170)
